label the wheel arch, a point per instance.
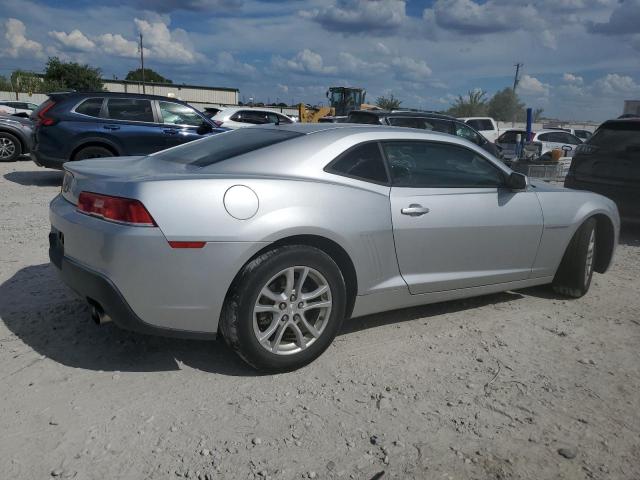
(95, 142)
(337, 253)
(605, 242)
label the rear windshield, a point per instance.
(480, 124)
(360, 117)
(616, 136)
(223, 146)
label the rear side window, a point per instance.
(223, 146)
(131, 109)
(249, 116)
(464, 131)
(363, 162)
(91, 107)
(510, 137)
(480, 124)
(362, 117)
(617, 137)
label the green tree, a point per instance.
(505, 106)
(149, 76)
(72, 75)
(473, 105)
(27, 82)
(388, 103)
(5, 85)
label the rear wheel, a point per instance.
(574, 275)
(10, 147)
(285, 308)
(93, 152)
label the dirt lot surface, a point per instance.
(515, 385)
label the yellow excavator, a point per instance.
(342, 100)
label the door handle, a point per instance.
(414, 210)
(111, 127)
(170, 131)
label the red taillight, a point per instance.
(217, 123)
(115, 209)
(43, 119)
(187, 244)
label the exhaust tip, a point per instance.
(98, 315)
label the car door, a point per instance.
(181, 123)
(454, 224)
(132, 125)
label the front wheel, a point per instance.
(285, 308)
(575, 272)
(10, 147)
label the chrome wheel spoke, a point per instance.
(321, 304)
(316, 293)
(289, 276)
(266, 308)
(300, 340)
(271, 295)
(310, 328)
(276, 341)
(302, 277)
(270, 330)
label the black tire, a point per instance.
(575, 272)
(10, 147)
(236, 322)
(93, 151)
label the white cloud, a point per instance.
(573, 79)
(116, 44)
(19, 44)
(614, 84)
(76, 40)
(349, 63)
(360, 16)
(226, 63)
(305, 61)
(165, 44)
(411, 69)
(532, 86)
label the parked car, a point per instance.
(273, 235)
(544, 141)
(423, 121)
(15, 137)
(238, 117)
(75, 126)
(12, 107)
(487, 126)
(609, 163)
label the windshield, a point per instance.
(224, 146)
(616, 137)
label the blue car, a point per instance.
(76, 126)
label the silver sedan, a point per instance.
(271, 236)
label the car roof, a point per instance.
(404, 113)
(226, 110)
(114, 94)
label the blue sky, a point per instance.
(581, 57)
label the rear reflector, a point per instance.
(115, 209)
(187, 244)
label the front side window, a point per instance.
(90, 107)
(439, 165)
(130, 109)
(480, 124)
(363, 162)
(179, 114)
(509, 137)
(470, 134)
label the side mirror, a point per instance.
(204, 128)
(517, 181)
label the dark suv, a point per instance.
(609, 164)
(76, 126)
(424, 121)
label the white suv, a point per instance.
(238, 117)
(487, 126)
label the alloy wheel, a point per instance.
(7, 148)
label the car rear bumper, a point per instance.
(627, 198)
(138, 279)
(46, 161)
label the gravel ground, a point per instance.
(515, 385)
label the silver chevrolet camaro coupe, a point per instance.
(273, 235)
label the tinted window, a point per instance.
(364, 162)
(249, 116)
(480, 124)
(510, 137)
(439, 165)
(465, 132)
(91, 107)
(617, 137)
(437, 125)
(571, 139)
(547, 137)
(362, 117)
(407, 122)
(223, 146)
(131, 109)
(284, 119)
(179, 114)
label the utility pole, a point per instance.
(142, 63)
(516, 79)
